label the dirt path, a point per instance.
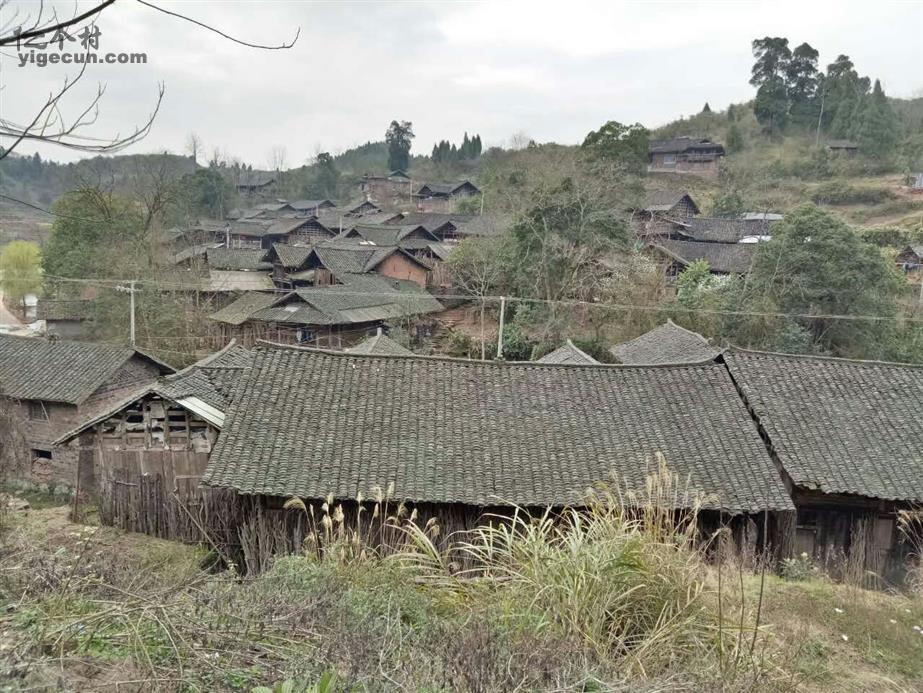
(6, 317)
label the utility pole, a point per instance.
(130, 290)
(500, 331)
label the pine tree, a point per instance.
(876, 127)
(706, 108)
(801, 81)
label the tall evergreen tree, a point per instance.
(398, 137)
(876, 127)
(801, 81)
(768, 76)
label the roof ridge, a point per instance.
(267, 344)
(201, 363)
(688, 331)
(820, 357)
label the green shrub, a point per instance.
(799, 568)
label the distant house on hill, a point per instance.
(334, 316)
(848, 440)
(845, 147)
(53, 384)
(568, 353)
(64, 318)
(910, 259)
(668, 343)
(255, 181)
(387, 190)
(441, 197)
(716, 230)
(722, 258)
(659, 205)
(684, 155)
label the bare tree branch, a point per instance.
(221, 33)
(38, 30)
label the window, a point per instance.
(37, 411)
(669, 159)
(38, 454)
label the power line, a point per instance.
(573, 303)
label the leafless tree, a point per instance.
(194, 146)
(50, 124)
(277, 158)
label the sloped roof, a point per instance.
(59, 309)
(304, 205)
(230, 280)
(391, 234)
(719, 230)
(444, 189)
(292, 256)
(381, 345)
(353, 206)
(665, 200)
(729, 258)
(237, 259)
(251, 227)
(680, 145)
(568, 353)
(668, 343)
(361, 298)
(838, 426)
(255, 179)
(309, 423)
(239, 311)
(58, 370)
(207, 381)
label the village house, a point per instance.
(452, 227)
(337, 315)
(387, 191)
(251, 182)
(568, 353)
(715, 230)
(910, 260)
(660, 210)
(311, 207)
(65, 318)
(262, 233)
(489, 436)
(667, 343)
(358, 208)
(685, 155)
(325, 263)
(49, 385)
(150, 447)
(848, 440)
(722, 258)
(442, 197)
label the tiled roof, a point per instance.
(428, 189)
(839, 426)
(381, 345)
(568, 353)
(240, 310)
(255, 179)
(55, 309)
(728, 258)
(57, 370)
(305, 205)
(679, 145)
(292, 256)
(718, 230)
(237, 259)
(361, 298)
(227, 280)
(209, 380)
(665, 200)
(668, 343)
(310, 423)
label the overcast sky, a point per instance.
(553, 70)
